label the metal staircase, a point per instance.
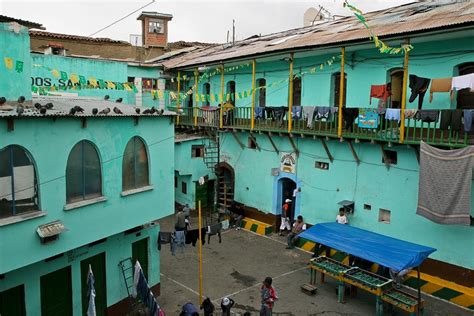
(211, 151)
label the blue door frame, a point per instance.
(277, 192)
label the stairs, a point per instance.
(225, 193)
(211, 151)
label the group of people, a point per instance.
(267, 293)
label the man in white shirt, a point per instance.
(341, 218)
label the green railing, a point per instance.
(386, 131)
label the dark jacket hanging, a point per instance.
(418, 86)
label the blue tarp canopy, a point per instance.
(389, 252)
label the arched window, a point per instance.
(297, 91)
(261, 93)
(336, 83)
(83, 173)
(465, 97)
(135, 165)
(18, 184)
(230, 93)
(206, 90)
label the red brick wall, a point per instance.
(154, 39)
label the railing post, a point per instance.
(196, 97)
(221, 113)
(341, 93)
(290, 94)
(404, 96)
(179, 96)
(252, 113)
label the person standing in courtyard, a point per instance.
(269, 296)
(298, 227)
(285, 221)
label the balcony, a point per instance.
(275, 120)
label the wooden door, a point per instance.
(56, 293)
(140, 253)
(12, 302)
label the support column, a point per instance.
(341, 93)
(290, 94)
(179, 96)
(252, 111)
(196, 95)
(404, 96)
(221, 123)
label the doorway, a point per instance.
(12, 301)
(140, 253)
(56, 293)
(286, 186)
(97, 264)
(396, 86)
(205, 194)
(225, 185)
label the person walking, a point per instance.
(269, 296)
(180, 224)
(298, 227)
(285, 221)
(226, 306)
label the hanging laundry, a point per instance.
(192, 236)
(163, 238)
(463, 82)
(214, 230)
(468, 116)
(410, 113)
(259, 113)
(451, 119)
(392, 114)
(349, 115)
(308, 113)
(296, 112)
(322, 112)
(143, 291)
(270, 113)
(440, 85)
(178, 240)
(427, 116)
(280, 113)
(444, 191)
(381, 92)
(368, 118)
(418, 86)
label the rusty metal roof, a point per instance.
(405, 19)
(28, 24)
(34, 33)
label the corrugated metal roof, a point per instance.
(28, 24)
(50, 229)
(62, 106)
(76, 37)
(404, 19)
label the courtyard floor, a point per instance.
(236, 267)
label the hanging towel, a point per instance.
(308, 113)
(380, 92)
(163, 238)
(451, 118)
(214, 230)
(444, 191)
(323, 112)
(468, 115)
(280, 113)
(418, 86)
(259, 113)
(440, 85)
(392, 114)
(296, 112)
(410, 114)
(427, 116)
(463, 82)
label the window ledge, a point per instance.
(134, 191)
(22, 217)
(79, 204)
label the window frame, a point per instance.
(206, 90)
(72, 203)
(184, 187)
(261, 92)
(297, 91)
(195, 149)
(231, 86)
(336, 88)
(154, 23)
(135, 187)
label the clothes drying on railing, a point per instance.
(418, 86)
(210, 114)
(380, 92)
(427, 116)
(410, 113)
(276, 113)
(463, 82)
(468, 116)
(392, 114)
(349, 115)
(259, 113)
(440, 85)
(451, 119)
(322, 112)
(308, 113)
(296, 112)
(368, 118)
(144, 293)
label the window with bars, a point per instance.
(135, 165)
(18, 183)
(83, 173)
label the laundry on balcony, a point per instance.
(440, 85)
(296, 112)
(392, 114)
(463, 82)
(418, 86)
(349, 115)
(427, 116)
(322, 112)
(368, 118)
(308, 114)
(451, 119)
(468, 116)
(381, 92)
(410, 113)
(259, 113)
(276, 113)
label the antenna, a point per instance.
(233, 31)
(227, 41)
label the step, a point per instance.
(443, 289)
(255, 226)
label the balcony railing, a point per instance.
(275, 119)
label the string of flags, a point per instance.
(10, 64)
(383, 48)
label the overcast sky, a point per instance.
(193, 20)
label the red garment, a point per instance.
(285, 209)
(269, 296)
(380, 92)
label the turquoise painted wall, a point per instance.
(190, 196)
(116, 248)
(49, 143)
(15, 45)
(369, 183)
